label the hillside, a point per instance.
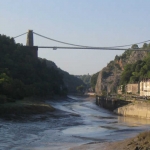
(71, 82)
(109, 77)
(22, 75)
(86, 79)
(135, 72)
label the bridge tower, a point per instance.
(33, 50)
(30, 38)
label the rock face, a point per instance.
(109, 77)
(137, 109)
(98, 87)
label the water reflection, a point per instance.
(130, 121)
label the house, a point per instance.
(145, 87)
(132, 88)
(129, 88)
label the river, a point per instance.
(76, 121)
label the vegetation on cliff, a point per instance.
(131, 66)
(85, 86)
(135, 72)
(22, 75)
(85, 78)
(71, 82)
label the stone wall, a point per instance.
(139, 109)
(33, 50)
(110, 103)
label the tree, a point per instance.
(134, 46)
(22, 75)
(80, 89)
(117, 57)
(145, 45)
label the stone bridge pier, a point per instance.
(30, 44)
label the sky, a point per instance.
(84, 22)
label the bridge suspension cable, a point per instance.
(59, 41)
(20, 35)
(85, 45)
(92, 48)
(132, 44)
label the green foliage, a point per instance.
(23, 75)
(104, 93)
(106, 74)
(134, 46)
(70, 81)
(118, 66)
(117, 57)
(110, 66)
(80, 88)
(145, 45)
(126, 54)
(134, 72)
(4, 78)
(3, 99)
(86, 79)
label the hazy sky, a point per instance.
(85, 22)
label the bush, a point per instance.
(3, 99)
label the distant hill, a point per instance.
(85, 78)
(70, 81)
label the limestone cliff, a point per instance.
(109, 77)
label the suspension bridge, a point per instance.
(30, 44)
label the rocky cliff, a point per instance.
(109, 77)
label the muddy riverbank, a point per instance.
(76, 121)
(140, 142)
(26, 107)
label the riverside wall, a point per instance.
(140, 109)
(110, 103)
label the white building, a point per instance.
(145, 88)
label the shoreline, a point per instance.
(140, 142)
(136, 109)
(130, 108)
(27, 107)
